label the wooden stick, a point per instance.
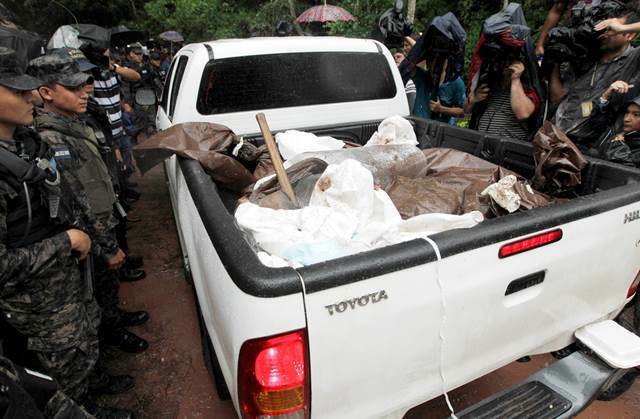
(276, 160)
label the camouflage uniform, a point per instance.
(38, 399)
(42, 292)
(85, 170)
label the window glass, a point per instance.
(285, 80)
(175, 87)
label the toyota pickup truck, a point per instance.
(374, 334)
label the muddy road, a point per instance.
(171, 379)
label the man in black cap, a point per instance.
(65, 96)
(43, 294)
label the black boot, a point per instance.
(112, 384)
(130, 275)
(126, 341)
(133, 262)
(104, 412)
(133, 318)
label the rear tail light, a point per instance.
(530, 243)
(634, 286)
(273, 377)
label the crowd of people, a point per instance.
(583, 75)
(68, 120)
(69, 117)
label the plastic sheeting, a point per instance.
(384, 161)
(454, 183)
(559, 163)
(394, 130)
(347, 214)
(622, 148)
(291, 143)
(303, 177)
(210, 144)
(446, 26)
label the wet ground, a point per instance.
(172, 381)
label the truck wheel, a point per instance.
(210, 358)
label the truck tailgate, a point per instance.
(375, 345)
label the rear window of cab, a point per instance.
(259, 82)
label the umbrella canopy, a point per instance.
(171, 36)
(324, 13)
(74, 36)
(93, 34)
(121, 35)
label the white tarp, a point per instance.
(393, 130)
(291, 143)
(347, 214)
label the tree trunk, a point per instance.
(292, 10)
(411, 11)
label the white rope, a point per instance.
(442, 326)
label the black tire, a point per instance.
(210, 358)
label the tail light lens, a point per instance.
(273, 377)
(530, 243)
(634, 286)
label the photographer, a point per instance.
(505, 93)
(559, 8)
(440, 90)
(507, 105)
(578, 113)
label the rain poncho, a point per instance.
(444, 39)
(507, 34)
(578, 114)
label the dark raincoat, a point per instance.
(443, 39)
(509, 30)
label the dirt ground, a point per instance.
(171, 379)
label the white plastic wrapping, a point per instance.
(504, 194)
(392, 131)
(347, 215)
(291, 143)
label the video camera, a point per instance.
(579, 43)
(496, 58)
(392, 27)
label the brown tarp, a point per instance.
(208, 143)
(559, 163)
(303, 177)
(453, 185)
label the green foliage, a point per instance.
(200, 20)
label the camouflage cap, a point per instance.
(135, 47)
(12, 74)
(59, 66)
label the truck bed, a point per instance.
(605, 186)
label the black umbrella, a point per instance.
(93, 34)
(171, 36)
(27, 45)
(121, 36)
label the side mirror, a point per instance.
(146, 97)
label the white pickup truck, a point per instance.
(373, 334)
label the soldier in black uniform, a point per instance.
(44, 294)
